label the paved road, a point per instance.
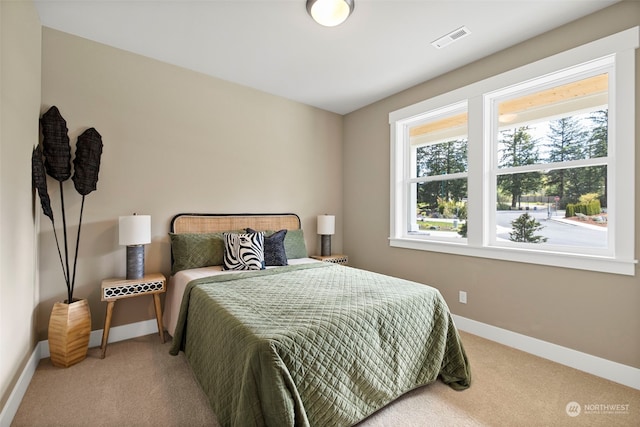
(556, 230)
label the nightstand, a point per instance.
(336, 259)
(115, 289)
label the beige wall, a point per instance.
(590, 312)
(176, 141)
(19, 109)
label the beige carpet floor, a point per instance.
(140, 384)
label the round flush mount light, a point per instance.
(330, 12)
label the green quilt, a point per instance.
(314, 345)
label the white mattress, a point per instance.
(178, 283)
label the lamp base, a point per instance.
(135, 262)
(325, 249)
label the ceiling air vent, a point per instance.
(451, 37)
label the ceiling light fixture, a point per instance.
(330, 12)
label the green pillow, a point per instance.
(194, 250)
(294, 245)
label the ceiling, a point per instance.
(274, 46)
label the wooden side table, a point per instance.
(115, 289)
(336, 259)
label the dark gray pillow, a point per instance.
(274, 250)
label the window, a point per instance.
(551, 155)
(437, 182)
(534, 165)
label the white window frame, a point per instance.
(481, 179)
(582, 71)
(411, 161)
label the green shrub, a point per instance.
(452, 209)
(594, 207)
(591, 208)
(580, 208)
(588, 198)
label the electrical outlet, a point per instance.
(463, 297)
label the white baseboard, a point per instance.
(117, 333)
(11, 407)
(613, 371)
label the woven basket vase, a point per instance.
(69, 331)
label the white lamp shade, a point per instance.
(326, 224)
(135, 230)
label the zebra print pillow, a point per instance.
(244, 251)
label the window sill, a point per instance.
(553, 259)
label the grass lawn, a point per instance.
(434, 224)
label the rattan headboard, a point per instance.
(212, 223)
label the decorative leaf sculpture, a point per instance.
(55, 142)
(85, 177)
(87, 161)
(39, 177)
(57, 164)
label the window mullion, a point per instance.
(596, 161)
(476, 207)
(622, 184)
(443, 177)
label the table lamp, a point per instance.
(326, 227)
(135, 232)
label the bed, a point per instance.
(307, 343)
